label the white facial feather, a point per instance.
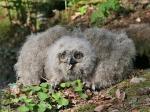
(70, 44)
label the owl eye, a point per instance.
(63, 55)
(78, 55)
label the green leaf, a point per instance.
(83, 96)
(78, 89)
(42, 96)
(23, 108)
(42, 106)
(44, 85)
(44, 90)
(16, 100)
(66, 84)
(59, 106)
(22, 98)
(78, 86)
(56, 96)
(31, 106)
(63, 85)
(63, 102)
(24, 89)
(27, 100)
(49, 106)
(36, 88)
(82, 10)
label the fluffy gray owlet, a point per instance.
(97, 56)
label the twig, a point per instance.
(44, 79)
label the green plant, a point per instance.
(71, 3)
(82, 10)
(27, 12)
(4, 29)
(77, 86)
(104, 10)
(39, 98)
(61, 101)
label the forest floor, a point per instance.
(131, 95)
(133, 12)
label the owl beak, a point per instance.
(71, 63)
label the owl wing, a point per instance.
(115, 52)
(30, 64)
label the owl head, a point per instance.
(71, 57)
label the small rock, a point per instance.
(137, 80)
(138, 20)
(144, 91)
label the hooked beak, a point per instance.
(71, 63)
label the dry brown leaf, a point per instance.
(120, 95)
(144, 91)
(101, 108)
(135, 110)
(15, 90)
(137, 80)
(77, 14)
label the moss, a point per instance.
(122, 85)
(129, 88)
(145, 109)
(133, 88)
(134, 99)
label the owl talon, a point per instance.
(93, 87)
(53, 84)
(87, 85)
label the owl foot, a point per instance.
(87, 84)
(54, 84)
(91, 85)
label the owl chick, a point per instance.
(70, 58)
(98, 57)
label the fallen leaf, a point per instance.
(144, 91)
(135, 110)
(137, 80)
(120, 95)
(77, 14)
(14, 89)
(101, 108)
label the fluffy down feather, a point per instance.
(97, 56)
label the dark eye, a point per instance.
(63, 55)
(78, 55)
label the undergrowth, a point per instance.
(104, 10)
(38, 98)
